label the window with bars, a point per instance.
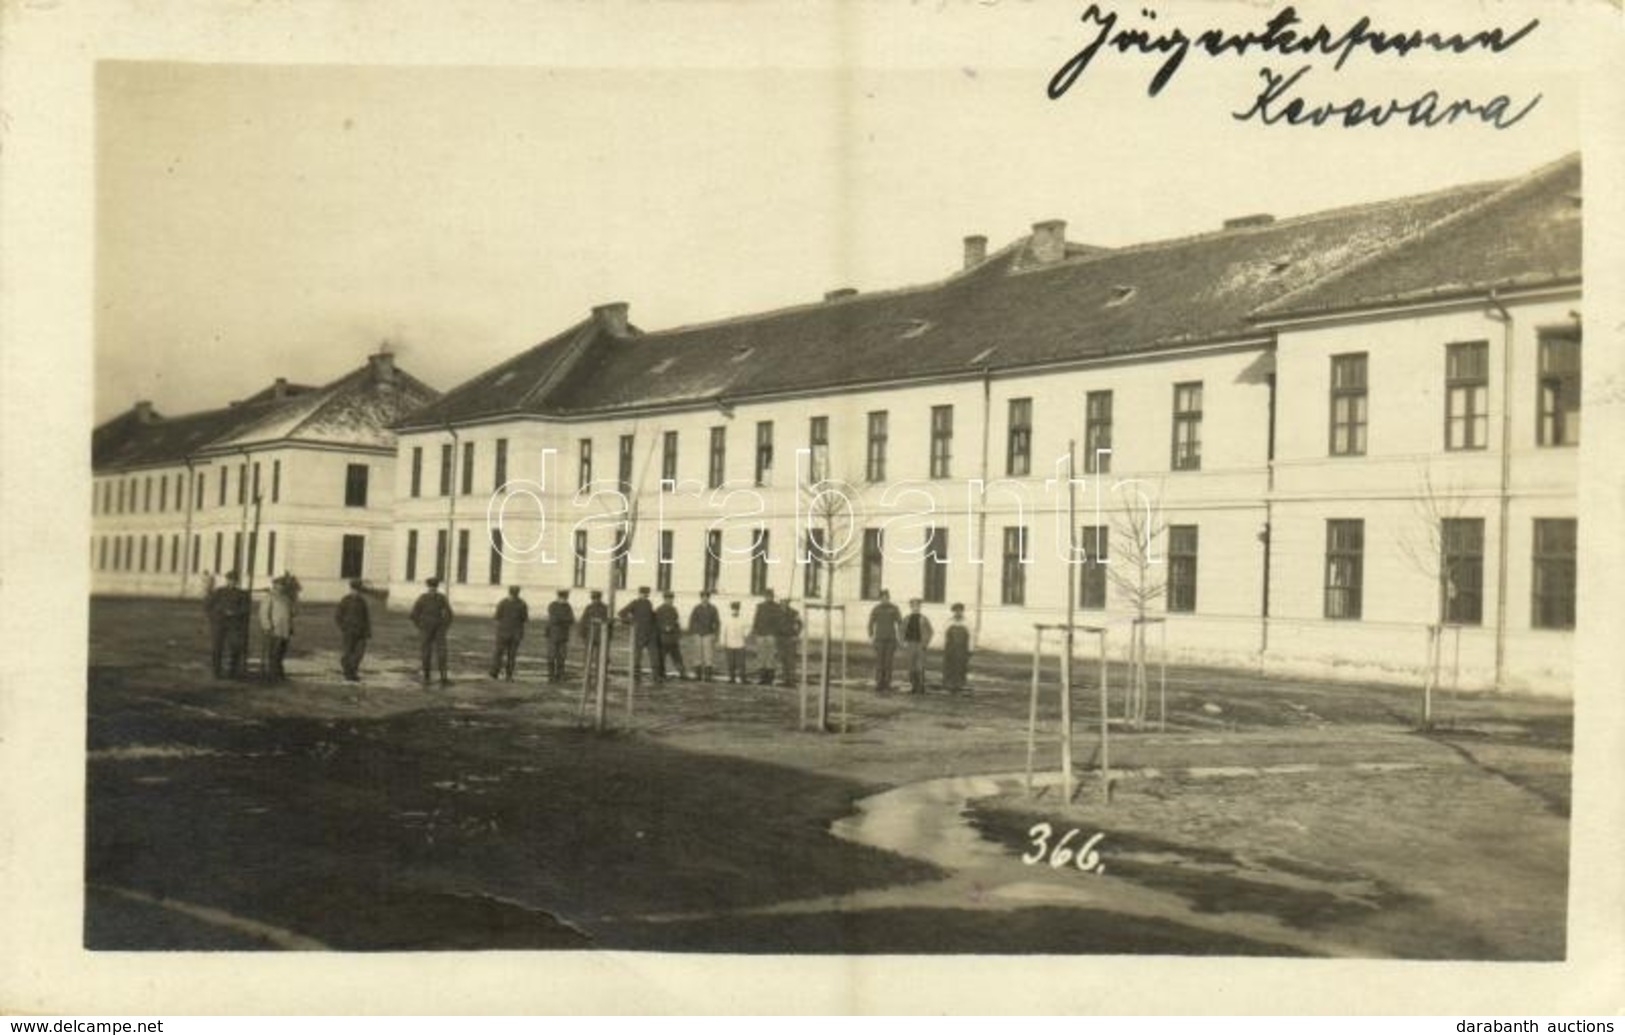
(668, 460)
(352, 556)
(873, 565)
(818, 449)
(758, 563)
(1348, 405)
(578, 560)
(1553, 571)
(664, 560)
(942, 441)
(1018, 451)
(1559, 416)
(717, 463)
(764, 452)
(875, 462)
(355, 485)
(935, 588)
(1096, 543)
(1461, 570)
(584, 463)
(1013, 583)
(1187, 433)
(1182, 547)
(1345, 563)
(1466, 395)
(1097, 433)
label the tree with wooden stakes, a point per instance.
(1445, 549)
(1138, 573)
(829, 507)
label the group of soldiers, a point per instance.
(657, 634)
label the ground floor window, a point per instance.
(1182, 545)
(1013, 584)
(1092, 568)
(352, 554)
(1345, 561)
(1554, 555)
(1461, 570)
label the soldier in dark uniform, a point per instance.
(511, 616)
(788, 639)
(595, 616)
(885, 622)
(229, 608)
(704, 623)
(432, 615)
(640, 614)
(670, 624)
(560, 617)
(764, 627)
(354, 620)
(956, 654)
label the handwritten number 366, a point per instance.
(1084, 858)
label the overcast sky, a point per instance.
(265, 220)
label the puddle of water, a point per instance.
(141, 752)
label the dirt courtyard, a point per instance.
(1269, 817)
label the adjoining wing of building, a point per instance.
(293, 478)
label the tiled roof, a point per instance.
(353, 410)
(1011, 311)
(1526, 234)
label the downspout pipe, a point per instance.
(1503, 315)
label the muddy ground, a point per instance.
(1269, 816)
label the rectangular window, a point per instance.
(107, 497)
(717, 468)
(584, 464)
(578, 576)
(157, 553)
(499, 474)
(624, 471)
(1559, 417)
(146, 494)
(242, 485)
(412, 555)
(143, 554)
(617, 564)
(468, 469)
(270, 553)
(935, 589)
(1013, 584)
(1555, 541)
(237, 551)
(197, 553)
(121, 496)
(1018, 451)
(758, 563)
(818, 449)
(417, 471)
(875, 463)
(276, 481)
(253, 554)
(663, 561)
(1461, 570)
(1345, 556)
(101, 558)
(118, 554)
(462, 555)
(355, 485)
(668, 458)
(1182, 543)
(812, 572)
(1466, 395)
(175, 553)
(942, 441)
(219, 549)
(163, 493)
(351, 556)
(764, 452)
(1095, 540)
(202, 483)
(1348, 405)
(496, 557)
(442, 552)
(448, 459)
(1187, 454)
(874, 560)
(713, 558)
(254, 497)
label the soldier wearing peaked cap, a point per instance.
(560, 618)
(511, 615)
(432, 615)
(354, 620)
(229, 609)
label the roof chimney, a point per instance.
(839, 293)
(279, 390)
(975, 250)
(1247, 222)
(144, 413)
(382, 363)
(611, 318)
(1049, 241)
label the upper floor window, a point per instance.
(764, 452)
(668, 458)
(468, 469)
(417, 473)
(1187, 451)
(623, 471)
(1018, 453)
(1097, 433)
(872, 565)
(584, 464)
(1559, 422)
(875, 465)
(1466, 395)
(942, 441)
(717, 463)
(1348, 405)
(818, 449)
(499, 475)
(448, 460)
(355, 485)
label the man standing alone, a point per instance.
(354, 620)
(560, 618)
(511, 616)
(884, 623)
(432, 615)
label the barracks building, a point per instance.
(1339, 430)
(293, 478)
